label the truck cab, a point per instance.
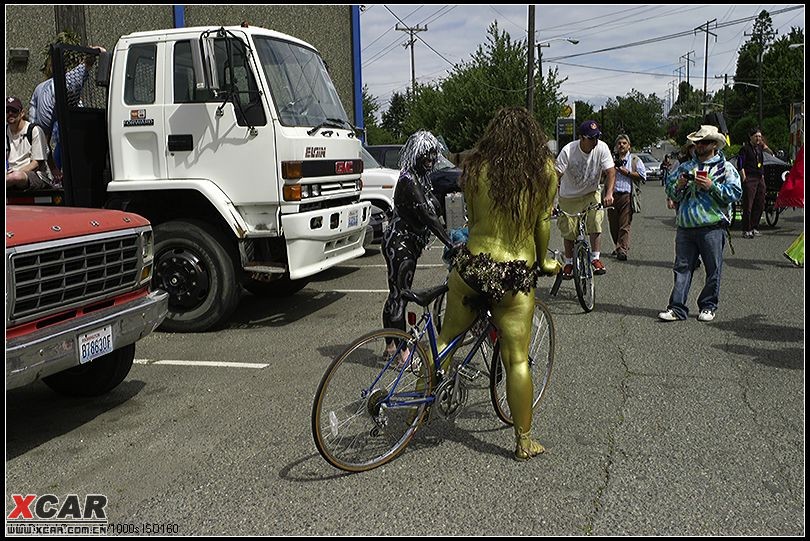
(234, 144)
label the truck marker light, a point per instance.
(292, 170)
(292, 192)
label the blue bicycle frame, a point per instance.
(425, 326)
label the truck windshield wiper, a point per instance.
(336, 123)
(328, 123)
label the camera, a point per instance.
(619, 162)
(688, 176)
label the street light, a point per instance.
(542, 44)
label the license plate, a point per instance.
(353, 218)
(95, 343)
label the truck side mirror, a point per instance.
(203, 59)
(103, 69)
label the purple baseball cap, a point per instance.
(590, 129)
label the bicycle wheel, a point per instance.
(771, 216)
(439, 309)
(583, 276)
(367, 408)
(555, 288)
(541, 359)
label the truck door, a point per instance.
(136, 111)
(227, 138)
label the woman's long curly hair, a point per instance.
(513, 156)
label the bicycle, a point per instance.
(583, 270)
(369, 404)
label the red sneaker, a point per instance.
(568, 272)
(598, 266)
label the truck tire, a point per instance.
(193, 265)
(281, 287)
(96, 377)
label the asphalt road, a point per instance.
(652, 428)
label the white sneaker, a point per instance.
(706, 315)
(669, 315)
(756, 233)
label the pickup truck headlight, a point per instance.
(147, 255)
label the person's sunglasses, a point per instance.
(705, 142)
(12, 111)
(595, 137)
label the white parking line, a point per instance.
(354, 290)
(202, 363)
(374, 265)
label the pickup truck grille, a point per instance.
(58, 277)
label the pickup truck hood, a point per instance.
(31, 224)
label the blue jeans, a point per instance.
(708, 243)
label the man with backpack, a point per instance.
(26, 151)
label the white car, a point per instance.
(378, 183)
(652, 165)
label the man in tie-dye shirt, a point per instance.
(704, 189)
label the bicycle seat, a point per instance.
(423, 297)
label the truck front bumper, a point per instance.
(320, 239)
(55, 348)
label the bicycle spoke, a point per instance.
(369, 404)
(541, 359)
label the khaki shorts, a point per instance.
(593, 222)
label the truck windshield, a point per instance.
(301, 88)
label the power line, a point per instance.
(671, 36)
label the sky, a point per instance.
(454, 32)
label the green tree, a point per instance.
(461, 106)
(636, 115)
(584, 111)
(393, 120)
(375, 134)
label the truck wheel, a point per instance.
(281, 287)
(194, 267)
(96, 377)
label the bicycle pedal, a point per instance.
(470, 374)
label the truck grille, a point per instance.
(58, 277)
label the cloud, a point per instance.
(454, 32)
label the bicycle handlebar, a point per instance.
(590, 207)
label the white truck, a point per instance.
(233, 143)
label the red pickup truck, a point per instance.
(77, 296)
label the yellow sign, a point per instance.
(567, 111)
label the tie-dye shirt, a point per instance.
(698, 207)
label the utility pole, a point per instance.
(673, 90)
(411, 31)
(530, 63)
(706, 59)
(725, 89)
(688, 82)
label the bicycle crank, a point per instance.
(451, 395)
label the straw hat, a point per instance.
(708, 132)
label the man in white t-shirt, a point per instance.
(580, 165)
(26, 151)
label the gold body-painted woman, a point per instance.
(509, 185)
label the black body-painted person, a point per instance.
(415, 218)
